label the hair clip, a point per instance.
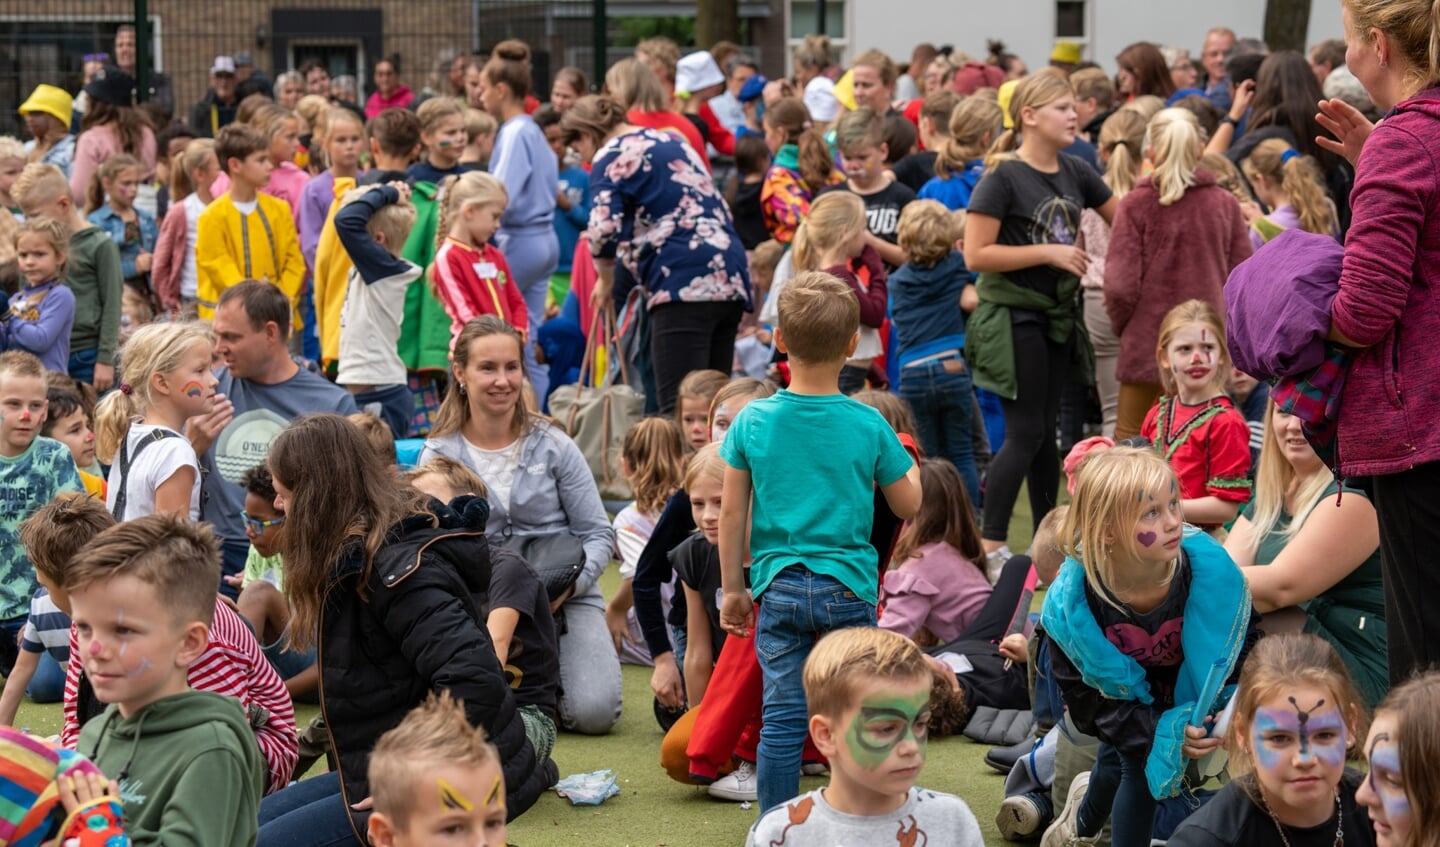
(126, 389)
(1288, 155)
(806, 125)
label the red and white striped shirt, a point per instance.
(232, 665)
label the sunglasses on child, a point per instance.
(256, 526)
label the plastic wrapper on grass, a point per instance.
(588, 789)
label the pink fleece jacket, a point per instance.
(939, 590)
(1389, 300)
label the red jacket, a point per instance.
(470, 282)
(1388, 296)
(1161, 256)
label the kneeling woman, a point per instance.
(392, 588)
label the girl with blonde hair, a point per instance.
(1176, 237)
(1292, 186)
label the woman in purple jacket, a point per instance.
(1387, 307)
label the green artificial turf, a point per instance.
(653, 811)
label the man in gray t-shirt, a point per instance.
(264, 390)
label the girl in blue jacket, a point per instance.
(1133, 647)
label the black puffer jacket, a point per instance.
(417, 629)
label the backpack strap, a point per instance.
(126, 459)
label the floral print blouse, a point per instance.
(655, 209)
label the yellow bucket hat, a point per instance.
(49, 100)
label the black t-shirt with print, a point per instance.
(1231, 817)
(533, 666)
(697, 563)
(1034, 207)
(882, 208)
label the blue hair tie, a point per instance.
(1288, 155)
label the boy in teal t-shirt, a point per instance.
(811, 457)
(33, 469)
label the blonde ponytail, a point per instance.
(154, 348)
(1122, 139)
(1002, 150)
(1298, 177)
(974, 122)
(1174, 141)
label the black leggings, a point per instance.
(1029, 453)
(1408, 506)
(687, 337)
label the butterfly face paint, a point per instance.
(1313, 734)
(1388, 784)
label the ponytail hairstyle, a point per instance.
(1413, 27)
(1278, 664)
(790, 116)
(1174, 141)
(156, 348)
(1033, 92)
(109, 169)
(945, 516)
(455, 408)
(182, 170)
(509, 65)
(834, 219)
(1122, 139)
(813, 53)
(1298, 177)
(654, 453)
(1227, 176)
(975, 124)
(472, 188)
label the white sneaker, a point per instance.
(995, 562)
(1062, 832)
(1018, 818)
(737, 786)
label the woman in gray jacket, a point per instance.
(538, 484)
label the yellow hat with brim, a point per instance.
(1066, 52)
(49, 100)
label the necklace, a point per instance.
(1280, 828)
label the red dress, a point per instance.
(1208, 445)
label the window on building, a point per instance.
(1071, 20)
(805, 19)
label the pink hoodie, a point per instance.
(939, 590)
(1389, 298)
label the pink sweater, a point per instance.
(1389, 300)
(939, 590)
(97, 144)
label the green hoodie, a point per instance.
(92, 272)
(425, 333)
(189, 769)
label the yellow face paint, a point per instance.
(451, 798)
(495, 791)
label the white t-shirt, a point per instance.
(246, 208)
(152, 467)
(926, 817)
(633, 529)
(497, 468)
(370, 323)
(189, 279)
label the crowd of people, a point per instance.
(309, 401)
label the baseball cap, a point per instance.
(112, 85)
(223, 65)
(753, 88)
(244, 59)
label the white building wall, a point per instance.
(1027, 26)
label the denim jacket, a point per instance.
(1216, 628)
(105, 218)
(555, 491)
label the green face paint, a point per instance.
(882, 723)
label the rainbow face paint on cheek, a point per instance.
(1386, 780)
(194, 390)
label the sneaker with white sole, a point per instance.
(1062, 832)
(814, 769)
(1019, 818)
(738, 786)
(995, 562)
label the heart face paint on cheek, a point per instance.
(1146, 539)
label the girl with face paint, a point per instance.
(1297, 716)
(1403, 750)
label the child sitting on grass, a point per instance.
(142, 595)
(868, 691)
(435, 747)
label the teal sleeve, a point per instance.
(110, 286)
(894, 462)
(731, 447)
(193, 817)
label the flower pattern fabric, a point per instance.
(656, 211)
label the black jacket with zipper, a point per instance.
(416, 626)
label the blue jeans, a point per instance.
(797, 608)
(232, 561)
(942, 404)
(82, 364)
(393, 404)
(310, 813)
(48, 683)
(1118, 790)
